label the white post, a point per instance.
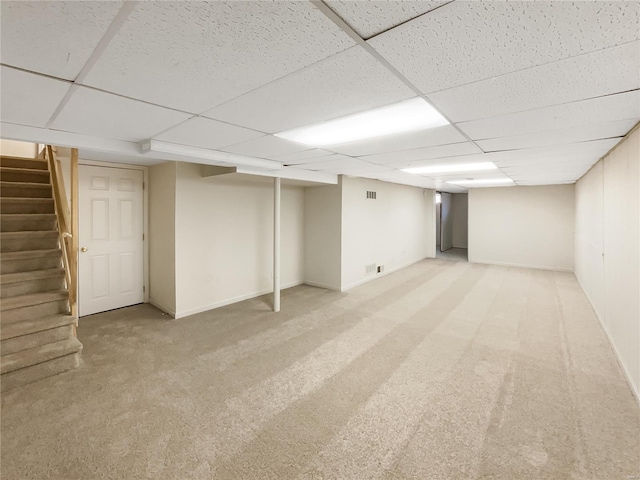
(276, 244)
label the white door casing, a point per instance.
(110, 263)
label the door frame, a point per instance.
(145, 214)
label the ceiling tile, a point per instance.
(196, 55)
(206, 133)
(593, 149)
(559, 137)
(584, 112)
(56, 38)
(305, 156)
(424, 138)
(341, 164)
(29, 99)
(101, 114)
(596, 74)
(265, 147)
(466, 148)
(349, 82)
(464, 42)
(372, 17)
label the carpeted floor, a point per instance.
(444, 370)
(454, 254)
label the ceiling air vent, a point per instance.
(371, 195)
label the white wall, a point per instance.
(11, 148)
(608, 248)
(323, 234)
(224, 238)
(394, 230)
(460, 217)
(162, 236)
(522, 226)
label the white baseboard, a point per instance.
(322, 285)
(378, 275)
(229, 301)
(520, 265)
(159, 306)
(634, 388)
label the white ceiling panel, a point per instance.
(622, 106)
(196, 55)
(455, 149)
(596, 74)
(206, 133)
(349, 82)
(372, 17)
(559, 137)
(29, 99)
(464, 42)
(341, 164)
(594, 149)
(56, 38)
(101, 114)
(305, 156)
(424, 138)
(266, 147)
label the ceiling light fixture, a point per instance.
(406, 116)
(460, 167)
(481, 181)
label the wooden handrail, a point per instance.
(65, 227)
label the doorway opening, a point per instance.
(452, 220)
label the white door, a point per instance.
(110, 263)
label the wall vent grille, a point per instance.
(369, 269)
(371, 195)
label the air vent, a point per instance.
(369, 269)
(371, 195)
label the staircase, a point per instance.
(37, 337)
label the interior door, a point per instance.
(446, 222)
(110, 261)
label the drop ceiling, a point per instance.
(542, 89)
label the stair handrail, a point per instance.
(65, 229)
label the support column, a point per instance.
(276, 244)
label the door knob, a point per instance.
(84, 249)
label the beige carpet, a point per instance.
(444, 370)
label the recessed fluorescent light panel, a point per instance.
(481, 181)
(406, 116)
(455, 168)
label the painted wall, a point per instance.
(394, 230)
(607, 248)
(460, 217)
(162, 236)
(522, 226)
(323, 234)
(11, 148)
(224, 238)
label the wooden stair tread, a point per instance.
(33, 299)
(29, 327)
(31, 275)
(41, 354)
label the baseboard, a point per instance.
(386, 272)
(321, 285)
(519, 265)
(159, 306)
(635, 390)
(229, 301)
